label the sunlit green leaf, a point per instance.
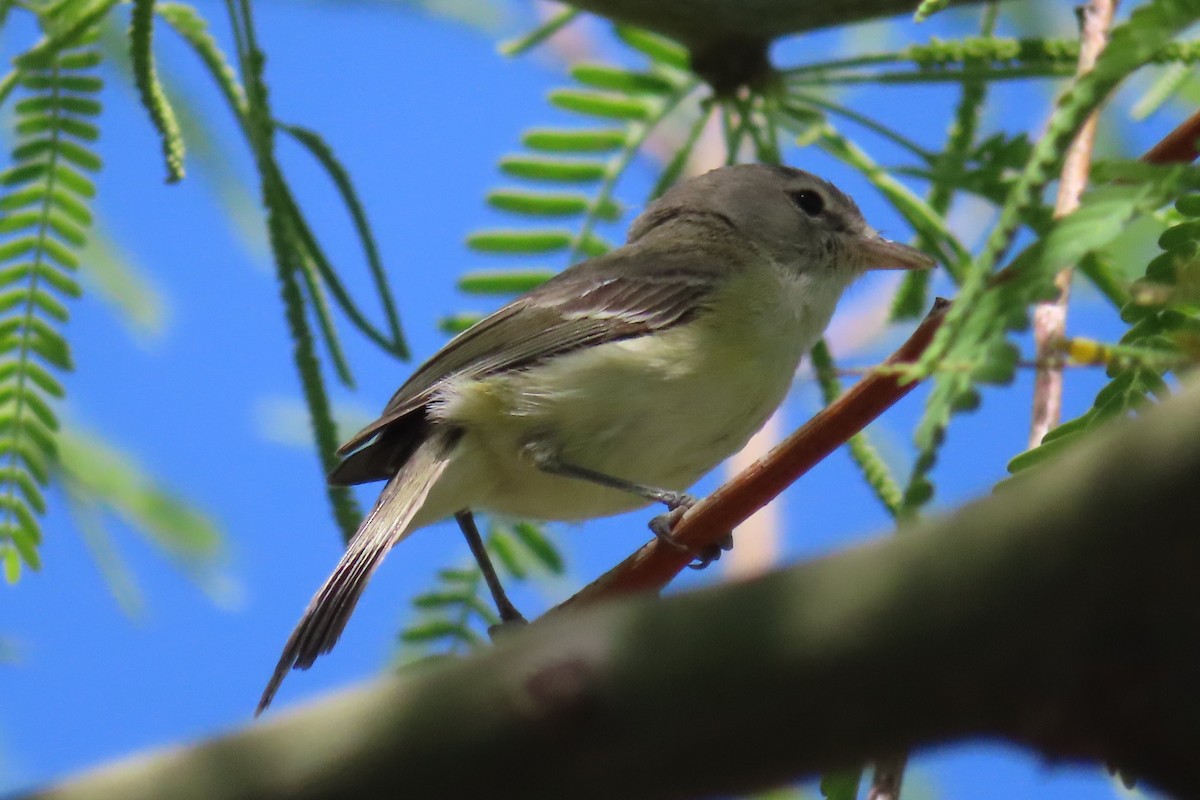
(601, 140)
(551, 169)
(503, 281)
(519, 241)
(600, 104)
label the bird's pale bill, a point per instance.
(881, 253)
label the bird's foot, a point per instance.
(713, 552)
(661, 526)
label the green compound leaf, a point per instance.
(45, 214)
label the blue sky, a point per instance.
(419, 109)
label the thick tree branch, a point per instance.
(1061, 613)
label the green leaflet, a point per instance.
(576, 140)
(616, 79)
(607, 105)
(454, 324)
(520, 241)
(547, 204)
(560, 170)
(657, 48)
(1173, 78)
(508, 281)
(1103, 214)
(539, 546)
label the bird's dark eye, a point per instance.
(808, 201)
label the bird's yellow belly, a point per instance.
(660, 410)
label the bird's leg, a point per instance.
(508, 612)
(548, 461)
(677, 503)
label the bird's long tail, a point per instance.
(330, 608)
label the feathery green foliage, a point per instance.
(47, 191)
(288, 254)
(97, 478)
(638, 99)
(308, 280)
(913, 295)
(1164, 316)
(973, 338)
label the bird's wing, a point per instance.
(630, 292)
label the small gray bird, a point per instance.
(617, 383)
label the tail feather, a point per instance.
(329, 610)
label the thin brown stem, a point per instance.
(653, 566)
(1050, 318)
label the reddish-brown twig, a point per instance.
(655, 564)
(1178, 146)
